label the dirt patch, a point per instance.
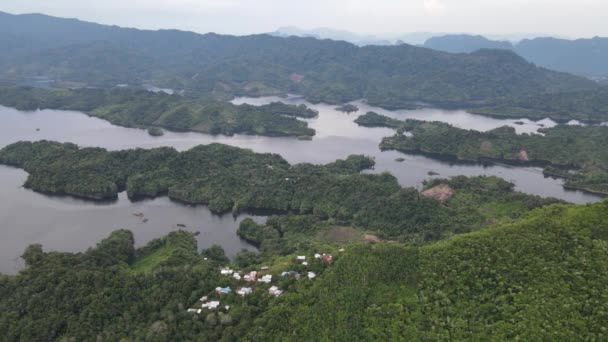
(371, 238)
(486, 146)
(341, 234)
(441, 193)
(523, 155)
(296, 78)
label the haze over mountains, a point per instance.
(581, 56)
(322, 70)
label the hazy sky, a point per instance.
(573, 18)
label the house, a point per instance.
(311, 275)
(275, 291)
(305, 263)
(193, 310)
(211, 305)
(204, 299)
(251, 276)
(223, 290)
(288, 273)
(243, 291)
(301, 257)
(327, 259)
(226, 271)
(265, 268)
(317, 256)
(266, 279)
(237, 276)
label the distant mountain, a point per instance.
(328, 33)
(464, 43)
(414, 38)
(582, 56)
(321, 70)
(587, 57)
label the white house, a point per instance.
(275, 291)
(266, 279)
(211, 305)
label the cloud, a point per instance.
(434, 6)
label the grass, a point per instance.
(150, 262)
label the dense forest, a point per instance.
(233, 179)
(140, 108)
(540, 277)
(586, 106)
(70, 51)
(577, 153)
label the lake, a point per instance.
(68, 224)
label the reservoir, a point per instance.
(68, 224)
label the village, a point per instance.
(263, 281)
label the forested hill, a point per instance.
(140, 108)
(581, 56)
(543, 277)
(322, 70)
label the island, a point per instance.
(156, 131)
(575, 153)
(230, 179)
(347, 108)
(134, 107)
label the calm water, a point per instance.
(69, 224)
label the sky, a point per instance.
(564, 18)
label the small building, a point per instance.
(317, 256)
(265, 268)
(226, 271)
(327, 259)
(274, 291)
(265, 279)
(193, 310)
(237, 276)
(211, 305)
(305, 263)
(243, 291)
(301, 257)
(204, 299)
(311, 275)
(251, 276)
(223, 290)
(290, 273)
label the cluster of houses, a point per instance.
(253, 277)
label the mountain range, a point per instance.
(400, 76)
(581, 56)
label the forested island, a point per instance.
(586, 106)
(141, 108)
(233, 179)
(576, 153)
(347, 108)
(539, 277)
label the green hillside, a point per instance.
(542, 277)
